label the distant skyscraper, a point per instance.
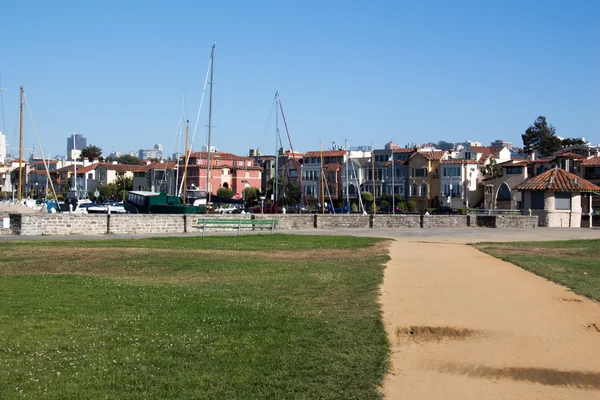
(76, 142)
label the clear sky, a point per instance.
(365, 71)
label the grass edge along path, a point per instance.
(574, 264)
(273, 316)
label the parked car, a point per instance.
(445, 211)
(296, 209)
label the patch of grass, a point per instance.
(215, 318)
(572, 263)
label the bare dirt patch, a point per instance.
(530, 339)
(544, 376)
(569, 299)
(433, 333)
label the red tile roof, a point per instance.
(430, 155)
(329, 153)
(591, 162)
(148, 167)
(558, 180)
(219, 156)
(405, 150)
(459, 162)
(570, 155)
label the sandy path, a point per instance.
(528, 339)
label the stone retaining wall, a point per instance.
(330, 221)
(504, 221)
(290, 221)
(58, 224)
(100, 224)
(445, 221)
(396, 221)
(145, 223)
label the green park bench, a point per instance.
(237, 224)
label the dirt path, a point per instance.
(464, 325)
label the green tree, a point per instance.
(541, 137)
(411, 206)
(571, 141)
(447, 146)
(90, 152)
(251, 193)
(225, 192)
(124, 182)
(367, 197)
(128, 159)
(491, 170)
(108, 192)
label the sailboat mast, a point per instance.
(322, 179)
(373, 179)
(20, 144)
(276, 178)
(187, 130)
(210, 98)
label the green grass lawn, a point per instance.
(248, 317)
(573, 263)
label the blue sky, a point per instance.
(363, 71)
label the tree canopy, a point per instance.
(128, 159)
(90, 152)
(225, 192)
(541, 137)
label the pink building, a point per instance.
(227, 170)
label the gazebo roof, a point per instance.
(558, 180)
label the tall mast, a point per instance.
(74, 164)
(322, 179)
(210, 98)
(20, 144)
(347, 162)
(187, 129)
(276, 178)
(373, 179)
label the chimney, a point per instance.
(576, 181)
(532, 156)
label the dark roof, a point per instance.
(558, 180)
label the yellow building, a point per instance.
(424, 178)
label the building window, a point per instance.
(451, 171)
(419, 172)
(537, 200)
(467, 155)
(414, 190)
(454, 192)
(424, 190)
(514, 170)
(562, 201)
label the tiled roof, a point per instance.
(558, 180)
(430, 155)
(148, 167)
(591, 162)
(459, 162)
(570, 155)
(405, 150)
(219, 155)
(487, 149)
(330, 153)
